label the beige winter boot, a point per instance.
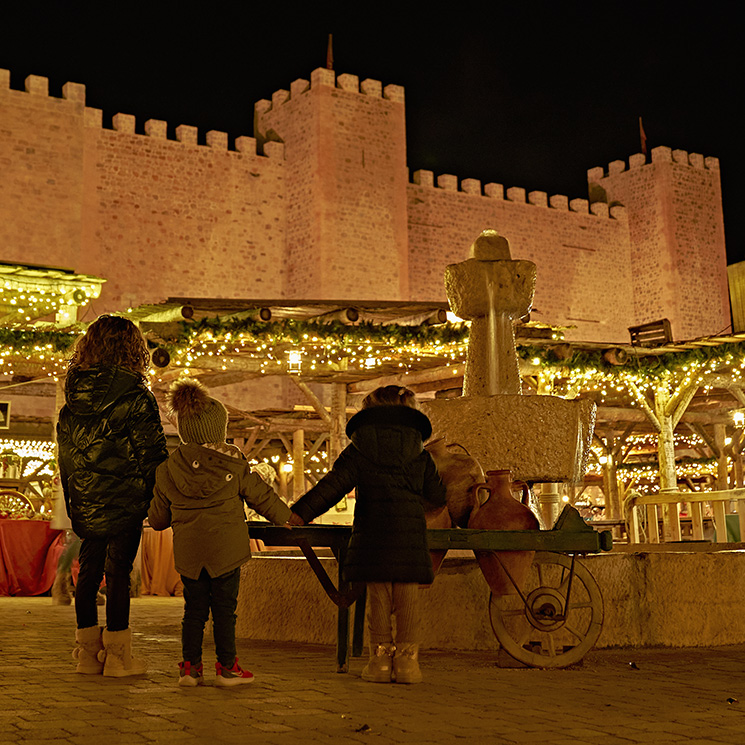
(379, 668)
(117, 657)
(86, 653)
(406, 664)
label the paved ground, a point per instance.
(667, 697)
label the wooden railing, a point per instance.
(668, 503)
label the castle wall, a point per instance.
(155, 217)
(676, 226)
(346, 164)
(319, 206)
(582, 257)
(41, 173)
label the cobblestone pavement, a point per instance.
(690, 696)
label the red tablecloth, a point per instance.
(29, 551)
(159, 575)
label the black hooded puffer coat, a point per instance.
(396, 481)
(110, 442)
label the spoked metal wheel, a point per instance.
(538, 629)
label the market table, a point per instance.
(29, 551)
(159, 575)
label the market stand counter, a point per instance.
(29, 551)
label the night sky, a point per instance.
(527, 94)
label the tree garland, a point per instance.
(298, 331)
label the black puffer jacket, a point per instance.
(396, 482)
(110, 442)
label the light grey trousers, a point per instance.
(393, 612)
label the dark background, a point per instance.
(528, 96)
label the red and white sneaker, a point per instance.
(190, 675)
(232, 676)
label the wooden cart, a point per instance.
(553, 621)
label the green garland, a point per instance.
(653, 366)
(21, 340)
(298, 332)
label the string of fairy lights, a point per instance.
(307, 347)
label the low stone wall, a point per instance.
(650, 599)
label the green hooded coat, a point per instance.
(200, 492)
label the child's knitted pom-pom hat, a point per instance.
(200, 418)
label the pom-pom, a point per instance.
(187, 398)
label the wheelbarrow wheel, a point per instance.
(539, 631)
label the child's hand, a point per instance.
(295, 519)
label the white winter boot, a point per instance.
(406, 664)
(117, 656)
(379, 669)
(86, 653)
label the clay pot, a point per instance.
(439, 518)
(502, 511)
(460, 472)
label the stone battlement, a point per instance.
(516, 194)
(660, 154)
(321, 77)
(38, 85)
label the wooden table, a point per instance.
(29, 551)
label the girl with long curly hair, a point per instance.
(110, 441)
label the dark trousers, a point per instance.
(219, 594)
(112, 556)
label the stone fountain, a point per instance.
(538, 438)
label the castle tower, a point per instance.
(346, 181)
(676, 229)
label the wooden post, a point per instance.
(337, 436)
(298, 464)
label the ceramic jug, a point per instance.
(438, 518)
(502, 511)
(460, 472)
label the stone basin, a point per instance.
(538, 438)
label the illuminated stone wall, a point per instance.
(154, 216)
(582, 256)
(346, 186)
(676, 227)
(320, 206)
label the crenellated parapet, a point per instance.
(515, 195)
(323, 78)
(660, 154)
(37, 85)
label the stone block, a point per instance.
(424, 178)
(617, 166)
(447, 181)
(322, 77)
(124, 123)
(538, 198)
(348, 82)
(516, 194)
(279, 97)
(559, 201)
(4, 78)
(187, 134)
(696, 160)
(156, 128)
(600, 209)
(92, 117)
(595, 174)
(471, 186)
(539, 438)
(298, 87)
(662, 154)
(217, 140)
(579, 205)
(680, 156)
(246, 145)
(394, 93)
(637, 160)
(37, 85)
(372, 88)
(495, 191)
(74, 92)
